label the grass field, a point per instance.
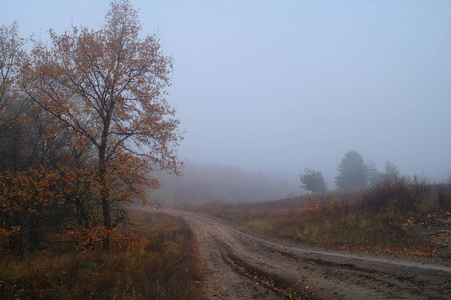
(408, 216)
(164, 269)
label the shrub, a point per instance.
(401, 195)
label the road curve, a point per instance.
(239, 265)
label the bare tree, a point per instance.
(11, 55)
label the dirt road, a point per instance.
(239, 265)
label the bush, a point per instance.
(402, 195)
(444, 197)
(164, 269)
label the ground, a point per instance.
(240, 265)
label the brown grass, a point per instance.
(165, 269)
(373, 219)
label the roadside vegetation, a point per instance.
(407, 216)
(84, 126)
(155, 261)
(82, 131)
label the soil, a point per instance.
(238, 264)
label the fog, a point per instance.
(274, 87)
(213, 182)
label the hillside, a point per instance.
(202, 182)
(406, 216)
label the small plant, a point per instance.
(86, 239)
(317, 209)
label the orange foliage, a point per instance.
(317, 209)
(27, 189)
(85, 239)
(6, 234)
(101, 94)
(107, 88)
(25, 194)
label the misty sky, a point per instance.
(277, 86)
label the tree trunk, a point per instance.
(104, 191)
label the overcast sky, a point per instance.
(277, 86)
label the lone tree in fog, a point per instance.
(107, 88)
(312, 181)
(391, 172)
(352, 172)
(375, 177)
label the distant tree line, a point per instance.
(201, 182)
(352, 172)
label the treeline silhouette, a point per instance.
(203, 182)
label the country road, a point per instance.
(238, 265)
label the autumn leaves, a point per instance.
(101, 95)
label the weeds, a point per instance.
(163, 269)
(404, 195)
(373, 219)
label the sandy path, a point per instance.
(239, 265)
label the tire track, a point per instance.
(239, 265)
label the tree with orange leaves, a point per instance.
(107, 89)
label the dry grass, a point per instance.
(163, 270)
(372, 219)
